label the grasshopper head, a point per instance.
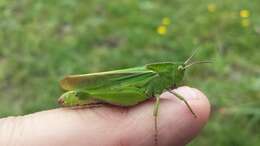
(69, 98)
(179, 73)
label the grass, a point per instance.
(41, 41)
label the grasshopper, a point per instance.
(126, 87)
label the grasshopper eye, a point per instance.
(180, 67)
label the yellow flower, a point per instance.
(212, 7)
(244, 13)
(166, 21)
(245, 22)
(162, 30)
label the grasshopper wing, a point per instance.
(122, 77)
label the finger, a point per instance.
(110, 125)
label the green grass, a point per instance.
(43, 40)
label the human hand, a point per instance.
(110, 126)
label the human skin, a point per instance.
(110, 125)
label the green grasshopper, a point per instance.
(126, 87)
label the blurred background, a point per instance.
(43, 40)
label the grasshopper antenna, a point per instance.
(188, 60)
(196, 62)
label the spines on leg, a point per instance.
(155, 114)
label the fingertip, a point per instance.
(175, 115)
(197, 99)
